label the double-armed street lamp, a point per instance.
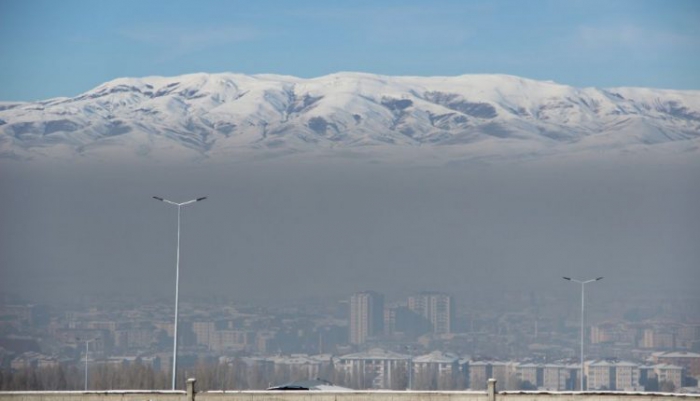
(177, 276)
(583, 286)
(87, 351)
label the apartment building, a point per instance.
(366, 316)
(481, 371)
(688, 360)
(436, 371)
(437, 308)
(375, 368)
(669, 373)
(607, 375)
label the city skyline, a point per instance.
(634, 347)
(394, 193)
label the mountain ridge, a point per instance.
(222, 115)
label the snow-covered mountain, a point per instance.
(220, 116)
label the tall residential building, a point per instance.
(437, 308)
(366, 316)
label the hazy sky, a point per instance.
(327, 230)
(62, 48)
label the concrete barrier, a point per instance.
(192, 395)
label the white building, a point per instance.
(606, 375)
(555, 377)
(669, 373)
(435, 371)
(300, 366)
(375, 368)
(481, 371)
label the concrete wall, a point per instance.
(603, 396)
(245, 396)
(349, 396)
(324, 396)
(191, 395)
(93, 396)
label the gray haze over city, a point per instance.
(399, 195)
(277, 231)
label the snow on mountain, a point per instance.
(219, 116)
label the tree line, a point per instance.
(236, 375)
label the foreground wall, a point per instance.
(191, 395)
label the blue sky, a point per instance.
(62, 48)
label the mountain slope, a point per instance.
(220, 116)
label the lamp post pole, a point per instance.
(177, 277)
(410, 373)
(583, 310)
(87, 351)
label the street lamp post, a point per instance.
(583, 294)
(410, 373)
(87, 351)
(177, 276)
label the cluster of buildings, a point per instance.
(666, 335)
(419, 342)
(427, 312)
(382, 369)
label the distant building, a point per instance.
(669, 373)
(32, 315)
(503, 372)
(604, 333)
(481, 371)
(688, 360)
(366, 316)
(150, 361)
(627, 376)
(264, 341)
(300, 365)
(437, 308)
(605, 375)
(556, 377)
(204, 332)
(530, 373)
(134, 338)
(659, 338)
(375, 368)
(33, 360)
(436, 371)
(401, 321)
(689, 336)
(599, 375)
(232, 340)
